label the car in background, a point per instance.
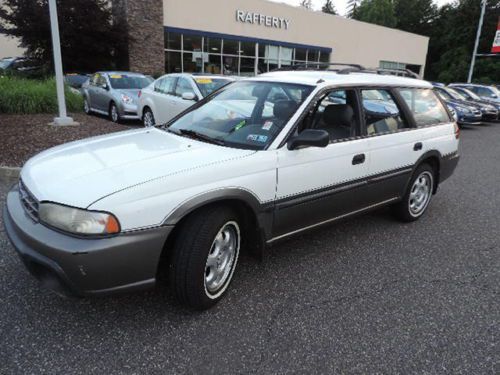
(76, 80)
(171, 94)
(467, 113)
(493, 108)
(114, 94)
(490, 93)
(23, 66)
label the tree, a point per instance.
(415, 16)
(306, 4)
(352, 5)
(90, 40)
(328, 7)
(379, 12)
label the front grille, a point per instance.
(476, 112)
(28, 201)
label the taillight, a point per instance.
(457, 131)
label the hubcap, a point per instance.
(222, 259)
(148, 119)
(114, 113)
(86, 107)
(420, 194)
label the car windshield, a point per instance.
(123, 81)
(469, 94)
(455, 94)
(444, 94)
(245, 114)
(208, 85)
(4, 63)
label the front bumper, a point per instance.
(128, 111)
(491, 116)
(82, 266)
(470, 119)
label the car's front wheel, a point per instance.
(418, 195)
(113, 113)
(86, 106)
(204, 257)
(148, 119)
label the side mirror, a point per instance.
(189, 95)
(309, 137)
(105, 86)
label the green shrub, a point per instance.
(26, 96)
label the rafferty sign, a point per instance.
(261, 19)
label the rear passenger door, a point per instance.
(396, 126)
(163, 99)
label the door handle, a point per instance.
(358, 159)
(418, 146)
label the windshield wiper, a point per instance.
(199, 136)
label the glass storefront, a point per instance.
(198, 53)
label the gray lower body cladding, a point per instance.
(84, 266)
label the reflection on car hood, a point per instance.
(82, 172)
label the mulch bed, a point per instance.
(22, 136)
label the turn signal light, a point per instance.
(457, 131)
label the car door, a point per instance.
(318, 185)
(91, 91)
(101, 93)
(397, 123)
(183, 86)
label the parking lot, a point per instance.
(366, 295)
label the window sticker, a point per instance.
(204, 81)
(267, 125)
(257, 138)
(115, 76)
(239, 125)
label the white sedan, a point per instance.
(171, 94)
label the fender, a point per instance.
(427, 155)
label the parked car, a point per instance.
(75, 81)
(491, 109)
(114, 94)
(467, 113)
(22, 66)
(259, 161)
(171, 94)
(490, 93)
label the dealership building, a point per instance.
(247, 37)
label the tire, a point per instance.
(86, 106)
(199, 273)
(418, 195)
(113, 113)
(148, 119)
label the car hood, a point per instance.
(82, 172)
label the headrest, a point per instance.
(284, 109)
(338, 115)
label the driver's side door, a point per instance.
(319, 185)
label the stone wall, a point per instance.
(144, 21)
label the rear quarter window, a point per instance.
(426, 108)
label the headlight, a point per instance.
(77, 221)
(127, 99)
(463, 109)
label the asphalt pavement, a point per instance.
(367, 295)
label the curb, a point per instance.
(9, 172)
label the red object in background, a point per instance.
(496, 42)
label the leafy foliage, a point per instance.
(306, 4)
(379, 12)
(26, 96)
(89, 39)
(328, 7)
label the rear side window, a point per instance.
(425, 106)
(382, 114)
(183, 86)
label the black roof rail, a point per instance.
(405, 72)
(319, 66)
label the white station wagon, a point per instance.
(260, 160)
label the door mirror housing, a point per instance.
(189, 95)
(309, 137)
(105, 86)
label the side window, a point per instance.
(182, 87)
(100, 80)
(425, 106)
(382, 114)
(337, 113)
(168, 85)
(94, 79)
(159, 84)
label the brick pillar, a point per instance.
(144, 20)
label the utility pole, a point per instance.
(63, 118)
(478, 36)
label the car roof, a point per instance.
(333, 78)
(122, 72)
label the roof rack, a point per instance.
(348, 69)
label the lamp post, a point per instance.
(63, 118)
(478, 36)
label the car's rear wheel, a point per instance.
(148, 119)
(113, 113)
(86, 106)
(204, 257)
(418, 195)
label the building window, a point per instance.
(190, 52)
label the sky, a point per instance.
(340, 5)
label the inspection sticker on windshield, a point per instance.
(257, 138)
(267, 125)
(241, 124)
(115, 76)
(204, 81)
